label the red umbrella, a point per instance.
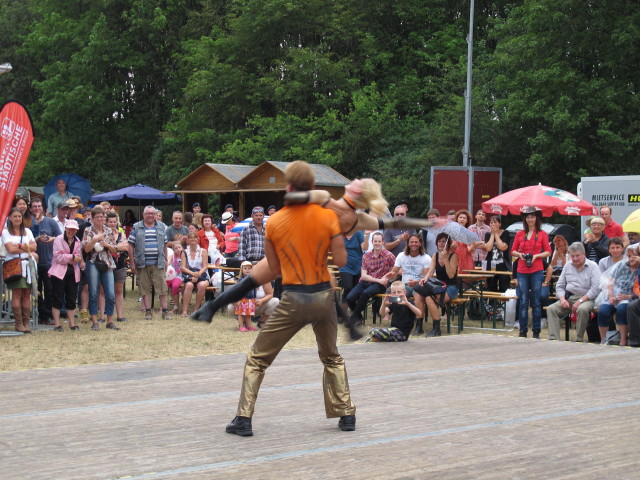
(546, 199)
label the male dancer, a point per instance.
(297, 241)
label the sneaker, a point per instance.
(148, 314)
(95, 326)
(252, 328)
(121, 319)
(167, 315)
(240, 426)
(347, 423)
(112, 326)
(84, 315)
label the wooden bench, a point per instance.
(494, 298)
(456, 307)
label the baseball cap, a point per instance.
(270, 207)
(63, 204)
(71, 224)
(197, 204)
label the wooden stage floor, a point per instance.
(455, 407)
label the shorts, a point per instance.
(149, 276)
(120, 275)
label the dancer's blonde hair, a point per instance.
(371, 197)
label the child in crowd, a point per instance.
(174, 268)
(246, 307)
(403, 316)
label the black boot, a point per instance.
(536, 334)
(240, 426)
(418, 330)
(233, 294)
(435, 332)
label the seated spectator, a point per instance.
(577, 288)
(444, 266)
(373, 281)
(350, 272)
(403, 316)
(194, 273)
(561, 252)
(128, 222)
(634, 237)
(395, 239)
(617, 291)
(413, 264)
(176, 226)
(197, 220)
(616, 253)
(596, 243)
(266, 303)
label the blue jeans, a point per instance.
(606, 310)
(95, 279)
(529, 286)
(360, 294)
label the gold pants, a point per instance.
(294, 312)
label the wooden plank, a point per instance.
(456, 407)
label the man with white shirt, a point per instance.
(577, 288)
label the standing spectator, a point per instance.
(577, 288)
(65, 274)
(596, 244)
(99, 242)
(55, 199)
(373, 278)
(129, 221)
(120, 258)
(251, 245)
(481, 229)
(106, 206)
(429, 238)
(45, 231)
(176, 227)
(463, 250)
(197, 219)
(395, 239)
(496, 244)
(246, 307)
(197, 208)
(147, 260)
(61, 215)
(271, 210)
(228, 208)
(159, 216)
(210, 238)
(350, 272)
(174, 272)
(531, 245)
(19, 243)
(21, 204)
(451, 215)
(611, 228)
(231, 238)
(194, 273)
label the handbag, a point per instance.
(12, 270)
(101, 265)
(432, 288)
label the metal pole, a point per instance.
(467, 93)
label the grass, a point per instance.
(141, 339)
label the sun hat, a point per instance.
(226, 216)
(71, 224)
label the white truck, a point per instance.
(621, 193)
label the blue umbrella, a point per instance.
(76, 184)
(245, 223)
(136, 195)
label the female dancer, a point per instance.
(359, 194)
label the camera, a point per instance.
(528, 258)
(394, 299)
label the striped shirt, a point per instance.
(150, 244)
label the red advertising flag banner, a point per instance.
(16, 138)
